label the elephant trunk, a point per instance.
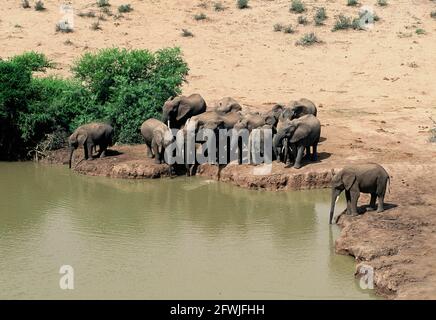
(335, 195)
(71, 156)
(277, 140)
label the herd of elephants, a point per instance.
(295, 135)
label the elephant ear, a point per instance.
(287, 113)
(270, 120)
(81, 138)
(297, 110)
(348, 179)
(183, 110)
(301, 132)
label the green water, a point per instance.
(182, 238)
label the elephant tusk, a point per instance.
(168, 123)
(337, 198)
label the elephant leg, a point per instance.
(102, 151)
(90, 147)
(315, 152)
(307, 155)
(381, 190)
(85, 152)
(348, 198)
(156, 153)
(354, 198)
(149, 151)
(300, 151)
(381, 201)
(372, 202)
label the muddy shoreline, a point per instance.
(387, 242)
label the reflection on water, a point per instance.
(164, 239)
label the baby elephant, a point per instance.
(157, 137)
(367, 178)
(89, 136)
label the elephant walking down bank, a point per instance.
(369, 178)
(89, 136)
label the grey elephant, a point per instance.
(178, 110)
(369, 178)
(227, 104)
(157, 137)
(302, 133)
(89, 136)
(302, 107)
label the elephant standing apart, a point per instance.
(369, 178)
(157, 137)
(302, 133)
(176, 111)
(89, 136)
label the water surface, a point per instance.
(182, 238)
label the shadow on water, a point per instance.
(169, 238)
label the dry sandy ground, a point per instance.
(375, 88)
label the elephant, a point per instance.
(89, 136)
(369, 178)
(178, 110)
(227, 104)
(157, 137)
(302, 133)
(301, 107)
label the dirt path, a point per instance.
(375, 89)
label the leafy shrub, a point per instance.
(352, 3)
(124, 8)
(297, 6)
(131, 85)
(420, 31)
(113, 85)
(320, 16)
(242, 4)
(382, 3)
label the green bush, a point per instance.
(113, 85)
(320, 16)
(242, 4)
(297, 6)
(132, 86)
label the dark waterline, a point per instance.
(183, 238)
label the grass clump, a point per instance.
(420, 31)
(382, 3)
(63, 27)
(297, 6)
(103, 3)
(25, 4)
(187, 33)
(342, 23)
(433, 14)
(320, 16)
(39, 6)
(288, 29)
(302, 20)
(242, 4)
(89, 14)
(200, 16)
(278, 27)
(124, 8)
(218, 6)
(308, 39)
(96, 26)
(352, 3)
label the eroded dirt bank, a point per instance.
(400, 244)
